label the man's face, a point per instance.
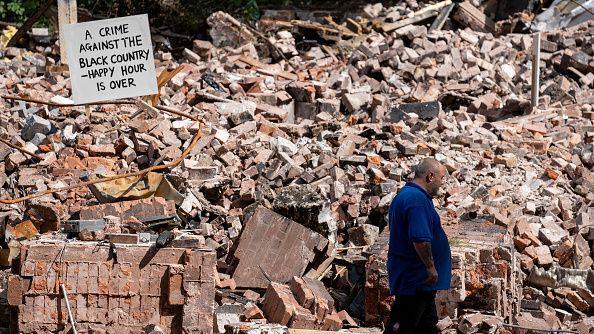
(435, 180)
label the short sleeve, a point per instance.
(419, 224)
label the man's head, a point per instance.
(429, 174)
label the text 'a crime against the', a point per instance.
(110, 44)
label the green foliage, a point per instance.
(17, 10)
(184, 15)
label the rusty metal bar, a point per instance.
(55, 104)
(129, 102)
(7, 143)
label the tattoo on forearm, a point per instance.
(424, 251)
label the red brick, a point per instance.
(125, 276)
(27, 310)
(251, 295)
(135, 309)
(125, 312)
(81, 311)
(28, 269)
(140, 255)
(312, 295)
(52, 306)
(278, 305)
(83, 278)
(174, 287)
(113, 305)
(15, 291)
(346, 319)
(144, 286)
(157, 273)
(102, 307)
(332, 322)
(46, 216)
(92, 307)
(52, 279)
(135, 280)
(303, 319)
(71, 277)
(302, 293)
(39, 306)
(114, 281)
(101, 291)
(228, 283)
(253, 312)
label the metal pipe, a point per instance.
(7, 143)
(535, 69)
(70, 317)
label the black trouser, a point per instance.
(414, 314)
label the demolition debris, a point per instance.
(255, 186)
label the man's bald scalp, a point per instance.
(426, 166)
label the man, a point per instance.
(419, 256)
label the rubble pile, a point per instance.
(291, 141)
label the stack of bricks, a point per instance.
(123, 292)
(485, 272)
(485, 275)
(378, 300)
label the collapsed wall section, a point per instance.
(118, 289)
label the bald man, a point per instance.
(419, 257)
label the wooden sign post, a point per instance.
(67, 14)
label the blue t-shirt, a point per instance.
(412, 218)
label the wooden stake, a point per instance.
(66, 14)
(535, 69)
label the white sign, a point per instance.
(110, 59)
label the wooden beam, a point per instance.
(67, 14)
(442, 17)
(470, 16)
(389, 27)
(418, 16)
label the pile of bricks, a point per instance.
(302, 147)
(303, 304)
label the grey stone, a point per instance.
(425, 110)
(33, 125)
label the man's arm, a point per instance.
(424, 251)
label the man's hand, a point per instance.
(431, 276)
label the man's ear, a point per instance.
(430, 176)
